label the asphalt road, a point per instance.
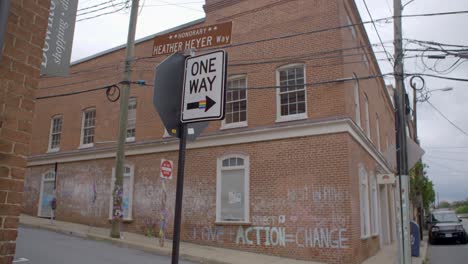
(45, 247)
(452, 253)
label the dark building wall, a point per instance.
(19, 78)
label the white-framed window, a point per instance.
(127, 196)
(364, 202)
(87, 128)
(374, 206)
(377, 131)
(366, 109)
(357, 104)
(236, 102)
(55, 133)
(232, 189)
(291, 94)
(131, 119)
(47, 194)
(352, 28)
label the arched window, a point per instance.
(374, 206)
(366, 109)
(377, 131)
(357, 105)
(364, 202)
(232, 189)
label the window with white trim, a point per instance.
(236, 102)
(366, 109)
(364, 202)
(291, 96)
(127, 196)
(87, 128)
(374, 206)
(232, 189)
(131, 120)
(357, 105)
(353, 30)
(377, 132)
(55, 133)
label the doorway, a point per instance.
(46, 195)
(384, 215)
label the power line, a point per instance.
(453, 124)
(377, 31)
(439, 77)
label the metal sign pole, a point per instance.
(179, 193)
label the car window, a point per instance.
(445, 217)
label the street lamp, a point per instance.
(446, 89)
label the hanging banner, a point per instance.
(4, 10)
(59, 37)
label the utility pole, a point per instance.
(404, 247)
(117, 193)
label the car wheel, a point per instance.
(464, 240)
(431, 240)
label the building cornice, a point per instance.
(223, 138)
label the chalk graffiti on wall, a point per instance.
(275, 236)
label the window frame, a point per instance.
(300, 116)
(219, 171)
(131, 139)
(130, 202)
(357, 101)
(374, 205)
(225, 125)
(364, 204)
(367, 117)
(377, 127)
(51, 134)
(83, 116)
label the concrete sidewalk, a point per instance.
(389, 255)
(189, 251)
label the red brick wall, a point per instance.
(19, 74)
(303, 181)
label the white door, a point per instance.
(46, 195)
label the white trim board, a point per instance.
(226, 138)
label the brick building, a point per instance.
(22, 30)
(289, 172)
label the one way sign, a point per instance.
(204, 94)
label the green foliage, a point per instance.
(421, 186)
(444, 204)
(462, 209)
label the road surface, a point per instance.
(45, 247)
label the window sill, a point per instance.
(233, 125)
(287, 118)
(132, 139)
(86, 146)
(53, 150)
(224, 223)
(126, 221)
(365, 237)
(375, 235)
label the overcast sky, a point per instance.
(446, 147)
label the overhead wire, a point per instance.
(446, 118)
(390, 60)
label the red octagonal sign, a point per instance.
(166, 169)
